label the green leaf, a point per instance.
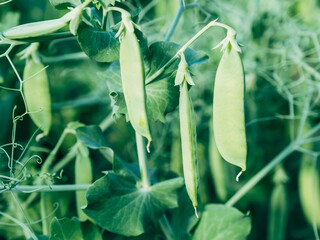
(106, 3)
(183, 217)
(64, 4)
(119, 204)
(99, 45)
(161, 52)
(222, 222)
(90, 231)
(65, 229)
(92, 136)
(162, 95)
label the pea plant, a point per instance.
(119, 132)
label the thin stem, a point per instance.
(175, 21)
(48, 162)
(65, 160)
(142, 155)
(166, 228)
(106, 123)
(51, 188)
(262, 173)
(185, 46)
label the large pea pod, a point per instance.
(37, 94)
(189, 144)
(278, 211)
(228, 109)
(309, 191)
(83, 175)
(35, 29)
(133, 83)
(217, 169)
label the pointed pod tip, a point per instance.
(195, 211)
(148, 146)
(239, 174)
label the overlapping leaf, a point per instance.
(119, 204)
(162, 95)
(222, 222)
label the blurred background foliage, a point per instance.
(281, 53)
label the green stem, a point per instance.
(185, 46)
(262, 173)
(52, 188)
(65, 160)
(175, 20)
(142, 155)
(166, 228)
(314, 199)
(48, 162)
(107, 122)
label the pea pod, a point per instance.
(37, 94)
(278, 212)
(133, 83)
(228, 109)
(189, 144)
(83, 175)
(309, 191)
(35, 29)
(218, 171)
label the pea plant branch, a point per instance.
(230, 36)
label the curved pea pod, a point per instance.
(133, 83)
(37, 94)
(217, 169)
(35, 29)
(309, 191)
(83, 175)
(189, 144)
(228, 109)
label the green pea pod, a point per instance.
(35, 29)
(37, 94)
(228, 109)
(278, 211)
(309, 191)
(133, 83)
(83, 175)
(189, 144)
(176, 155)
(48, 206)
(217, 169)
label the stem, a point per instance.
(106, 123)
(185, 46)
(166, 228)
(262, 173)
(142, 155)
(175, 21)
(52, 188)
(47, 164)
(65, 160)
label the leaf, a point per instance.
(106, 3)
(222, 222)
(90, 231)
(162, 95)
(99, 45)
(65, 229)
(118, 203)
(92, 136)
(64, 4)
(183, 217)
(161, 52)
